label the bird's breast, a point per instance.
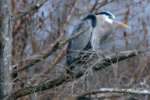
(99, 35)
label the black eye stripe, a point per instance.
(107, 14)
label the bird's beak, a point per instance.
(120, 24)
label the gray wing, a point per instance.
(80, 43)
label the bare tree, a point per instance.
(38, 43)
(5, 48)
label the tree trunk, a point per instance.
(5, 48)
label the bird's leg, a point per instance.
(69, 72)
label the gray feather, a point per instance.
(80, 42)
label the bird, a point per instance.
(95, 29)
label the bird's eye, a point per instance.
(110, 17)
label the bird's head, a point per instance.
(109, 18)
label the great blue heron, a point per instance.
(95, 28)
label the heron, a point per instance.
(96, 29)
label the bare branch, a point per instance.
(63, 78)
(101, 4)
(59, 43)
(41, 87)
(108, 60)
(56, 60)
(33, 8)
(118, 90)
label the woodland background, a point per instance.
(33, 40)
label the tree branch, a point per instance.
(59, 43)
(117, 90)
(41, 87)
(30, 9)
(5, 47)
(63, 78)
(114, 58)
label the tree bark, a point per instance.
(5, 48)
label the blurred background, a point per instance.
(34, 32)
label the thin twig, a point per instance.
(59, 43)
(118, 90)
(33, 8)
